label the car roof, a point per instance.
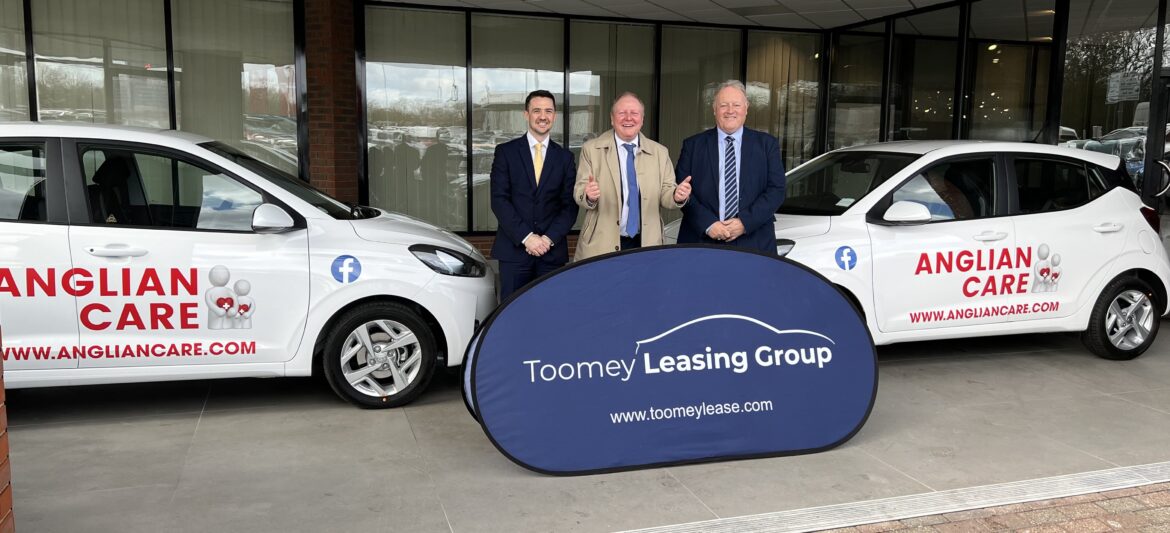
(948, 148)
(84, 130)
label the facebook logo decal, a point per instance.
(346, 269)
(846, 258)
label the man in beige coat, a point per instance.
(622, 179)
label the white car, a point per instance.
(948, 239)
(132, 255)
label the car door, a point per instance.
(181, 278)
(1073, 229)
(955, 269)
(36, 280)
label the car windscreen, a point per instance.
(835, 181)
(288, 182)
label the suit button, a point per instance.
(617, 248)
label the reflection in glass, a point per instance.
(101, 62)
(782, 72)
(923, 90)
(234, 75)
(855, 90)
(511, 56)
(1107, 78)
(416, 107)
(1010, 50)
(13, 80)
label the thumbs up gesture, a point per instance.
(592, 190)
(683, 191)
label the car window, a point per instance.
(953, 190)
(127, 187)
(22, 183)
(832, 183)
(1046, 185)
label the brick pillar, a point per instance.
(333, 98)
(6, 520)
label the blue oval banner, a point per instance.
(671, 355)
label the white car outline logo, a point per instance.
(638, 344)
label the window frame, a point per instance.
(55, 193)
(999, 182)
(72, 150)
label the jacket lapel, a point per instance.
(526, 161)
(610, 152)
(641, 166)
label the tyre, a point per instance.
(380, 355)
(1125, 320)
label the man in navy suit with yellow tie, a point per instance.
(532, 198)
(737, 179)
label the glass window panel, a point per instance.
(605, 60)
(855, 90)
(234, 75)
(101, 62)
(13, 78)
(130, 188)
(783, 70)
(22, 183)
(923, 90)
(1107, 77)
(694, 63)
(416, 111)
(511, 57)
(1010, 49)
(957, 190)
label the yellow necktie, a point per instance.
(538, 162)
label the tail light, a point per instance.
(1152, 218)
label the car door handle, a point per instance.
(991, 236)
(116, 250)
(1108, 227)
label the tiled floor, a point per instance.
(286, 455)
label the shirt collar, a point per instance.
(636, 142)
(532, 140)
(737, 134)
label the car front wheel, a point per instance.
(1125, 320)
(380, 355)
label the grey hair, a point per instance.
(738, 85)
(623, 95)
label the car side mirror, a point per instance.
(269, 218)
(1164, 173)
(905, 212)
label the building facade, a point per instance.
(400, 106)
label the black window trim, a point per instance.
(56, 202)
(998, 181)
(1013, 183)
(78, 200)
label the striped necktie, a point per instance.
(730, 183)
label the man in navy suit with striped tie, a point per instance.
(737, 179)
(532, 197)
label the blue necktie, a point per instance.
(633, 215)
(730, 184)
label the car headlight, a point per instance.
(783, 246)
(448, 262)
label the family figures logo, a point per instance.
(229, 308)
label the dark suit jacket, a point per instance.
(522, 207)
(761, 188)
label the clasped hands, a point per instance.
(537, 245)
(726, 230)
